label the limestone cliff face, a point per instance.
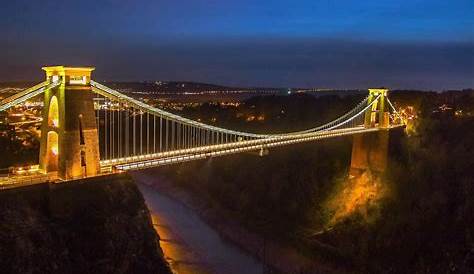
(99, 225)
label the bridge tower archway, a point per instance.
(52, 151)
(377, 115)
(69, 140)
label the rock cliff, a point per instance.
(98, 225)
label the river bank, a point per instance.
(278, 258)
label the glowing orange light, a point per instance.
(53, 115)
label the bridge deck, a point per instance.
(172, 157)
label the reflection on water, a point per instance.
(189, 244)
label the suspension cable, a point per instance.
(155, 111)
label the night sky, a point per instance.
(422, 44)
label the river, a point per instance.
(189, 244)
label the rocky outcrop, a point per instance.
(98, 225)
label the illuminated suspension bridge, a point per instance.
(89, 129)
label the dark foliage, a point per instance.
(425, 226)
(98, 226)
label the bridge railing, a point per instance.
(15, 181)
(228, 149)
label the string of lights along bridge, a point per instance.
(89, 129)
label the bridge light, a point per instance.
(54, 150)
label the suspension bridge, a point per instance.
(89, 129)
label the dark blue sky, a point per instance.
(426, 44)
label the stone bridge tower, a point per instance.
(377, 116)
(69, 140)
(370, 150)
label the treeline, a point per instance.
(278, 113)
(429, 226)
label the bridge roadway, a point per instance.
(184, 155)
